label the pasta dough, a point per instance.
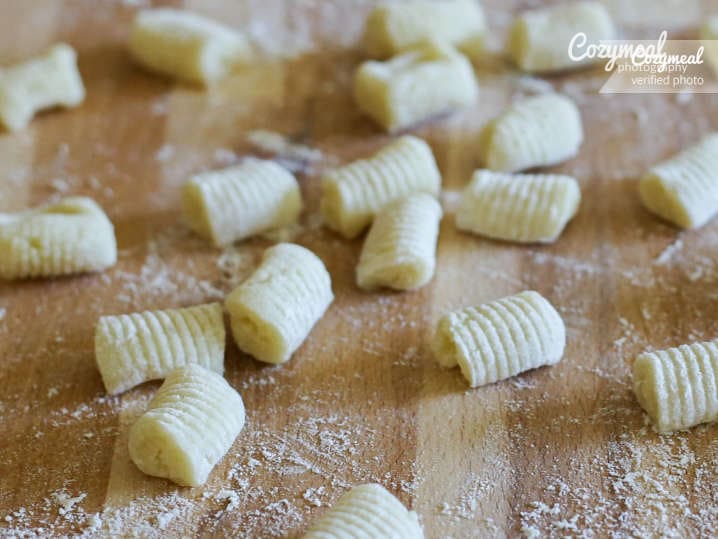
(274, 310)
(414, 86)
(354, 193)
(185, 45)
(189, 426)
(524, 208)
(133, 348)
(684, 189)
(678, 387)
(71, 236)
(501, 338)
(538, 131)
(50, 80)
(393, 28)
(539, 39)
(232, 204)
(400, 250)
(367, 511)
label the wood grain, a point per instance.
(562, 451)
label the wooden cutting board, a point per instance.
(562, 451)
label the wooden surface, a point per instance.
(559, 451)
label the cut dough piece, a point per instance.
(227, 205)
(189, 426)
(501, 338)
(400, 250)
(367, 512)
(525, 208)
(71, 236)
(538, 131)
(393, 28)
(185, 45)
(354, 193)
(131, 349)
(273, 311)
(418, 84)
(678, 387)
(539, 39)
(49, 80)
(684, 189)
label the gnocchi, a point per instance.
(416, 85)
(354, 193)
(227, 205)
(684, 189)
(538, 131)
(678, 387)
(400, 250)
(368, 511)
(71, 236)
(134, 348)
(273, 311)
(392, 28)
(539, 39)
(524, 208)
(188, 427)
(501, 338)
(49, 80)
(185, 45)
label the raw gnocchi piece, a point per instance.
(684, 189)
(227, 205)
(185, 45)
(400, 250)
(188, 427)
(678, 387)
(414, 86)
(539, 39)
(71, 236)
(49, 80)
(538, 131)
(393, 28)
(367, 511)
(525, 208)
(501, 338)
(134, 348)
(354, 193)
(273, 311)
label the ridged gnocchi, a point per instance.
(273, 311)
(185, 45)
(678, 387)
(393, 28)
(400, 249)
(227, 205)
(524, 208)
(501, 338)
(538, 131)
(134, 348)
(684, 189)
(188, 427)
(70, 236)
(367, 511)
(354, 193)
(422, 82)
(49, 80)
